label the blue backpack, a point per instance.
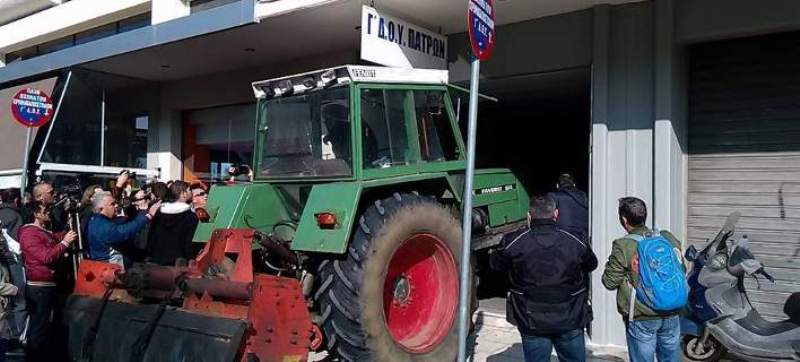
(662, 283)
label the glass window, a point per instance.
(306, 135)
(78, 137)
(383, 128)
(436, 139)
(95, 33)
(56, 45)
(75, 132)
(22, 54)
(202, 5)
(127, 122)
(126, 140)
(134, 22)
(216, 138)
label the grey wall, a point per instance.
(703, 20)
(540, 45)
(622, 137)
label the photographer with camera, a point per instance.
(42, 250)
(45, 194)
(106, 230)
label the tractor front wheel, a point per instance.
(395, 295)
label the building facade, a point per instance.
(687, 104)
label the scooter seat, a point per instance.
(754, 323)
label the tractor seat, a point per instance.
(753, 322)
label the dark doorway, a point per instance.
(538, 128)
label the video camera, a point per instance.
(238, 170)
(69, 196)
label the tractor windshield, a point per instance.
(306, 135)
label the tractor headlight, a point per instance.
(328, 77)
(285, 87)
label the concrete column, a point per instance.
(164, 144)
(605, 323)
(670, 126)
(166, 10)
(622, 139)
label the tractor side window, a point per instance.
(384, 140)
(436, 140)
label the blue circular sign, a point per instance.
(481, 27)
(31, 107)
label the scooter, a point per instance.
(721, 318)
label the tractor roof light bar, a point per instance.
(320, 79)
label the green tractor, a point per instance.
(357, 183)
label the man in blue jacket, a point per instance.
(106, 230)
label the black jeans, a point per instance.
(40, 329)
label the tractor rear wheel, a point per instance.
(395, 295)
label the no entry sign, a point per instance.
(32, 107)
(481, 27)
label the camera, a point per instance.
(239, 170)
(131, 175)
(70, 196)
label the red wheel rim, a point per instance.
(420, 293)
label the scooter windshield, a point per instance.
(719, 243)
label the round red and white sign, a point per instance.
(32, 107)
(481, 27)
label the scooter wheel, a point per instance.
(711, 351)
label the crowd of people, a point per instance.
(119, 224)
(548, 264)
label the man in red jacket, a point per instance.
(41, 250)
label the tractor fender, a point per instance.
(344, 200)
(340, 199)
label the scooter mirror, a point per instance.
(691, 253)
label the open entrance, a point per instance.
(539, 128)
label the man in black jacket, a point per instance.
(10, 216)
(172, 230)
(573, 207)
(11, 221)
(548, 297)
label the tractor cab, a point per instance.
(354, 122)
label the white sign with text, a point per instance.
(394, 42)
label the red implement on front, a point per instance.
(219, 284)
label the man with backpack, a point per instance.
(647, 271)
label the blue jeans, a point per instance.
(654, 339)
(570, 347)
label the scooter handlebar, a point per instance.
(766, 275)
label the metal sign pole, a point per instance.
(23, 179)
(466, 223)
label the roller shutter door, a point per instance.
(744, 153)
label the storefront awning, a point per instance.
(205, 22)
